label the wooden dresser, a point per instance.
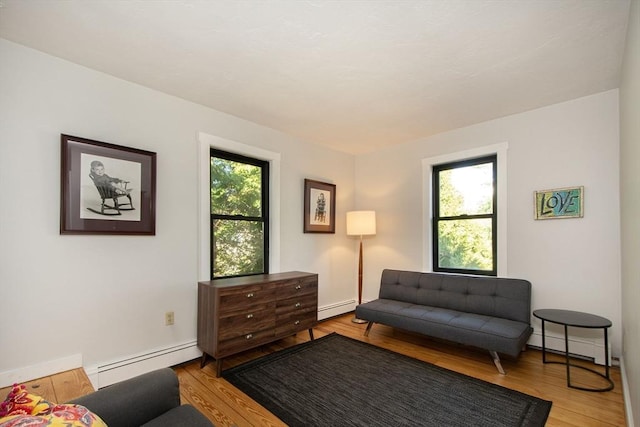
(241, 313)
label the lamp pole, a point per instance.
(360, 274)
(361, 223)
(355, 319)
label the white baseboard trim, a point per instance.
(106, 374)
(44, 369)
(336, 309)
(129, 367)
(110, 373)
(592, 349)
(628, 408)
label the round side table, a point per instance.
(580, 320)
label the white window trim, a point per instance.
(500, 150)
(206, 142)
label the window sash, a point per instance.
(263, 219)
(441, 220)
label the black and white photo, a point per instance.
(106, 188)
(319, 207)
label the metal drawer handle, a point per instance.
(249, 316)
(298, 287)
(298, 305)
(297, 322)
(249, 336)
(250, 295)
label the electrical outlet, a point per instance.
(169, 318)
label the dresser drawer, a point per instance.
(245, 323)
(302, 286)
(241, 299)
(244, 342)
(299, 304)
(293, 324)
(297, 314)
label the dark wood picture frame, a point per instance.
(106, 188)
(319, 207)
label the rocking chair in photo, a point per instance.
(108, 192)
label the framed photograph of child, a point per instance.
(319, 207)
(106, 188)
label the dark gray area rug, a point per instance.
(339, 381)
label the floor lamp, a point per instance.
(360, 223)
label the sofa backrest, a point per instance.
(490, 296)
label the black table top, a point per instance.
(572, 318)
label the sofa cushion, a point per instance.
(21, 402)
(498, 334)
(491, 296)
(21, 408)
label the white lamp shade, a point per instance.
(361, 223)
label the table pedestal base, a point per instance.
(569, 364)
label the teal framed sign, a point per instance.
(559, 203)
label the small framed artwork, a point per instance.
(106, 188)
(319, 207)
(559, 203)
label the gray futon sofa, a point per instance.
(485, 312)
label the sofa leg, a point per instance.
(496, 361)
(366, 331)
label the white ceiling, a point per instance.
(352, 75)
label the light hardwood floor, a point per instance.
(227, 406)
(58, 388)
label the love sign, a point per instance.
(559, 203)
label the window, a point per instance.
(464, 216)
(239, 215)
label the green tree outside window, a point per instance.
(464, 217)
(239, 209)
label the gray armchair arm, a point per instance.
(136, 401)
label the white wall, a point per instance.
(104, 297)
(630, 211)
(572, 263)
